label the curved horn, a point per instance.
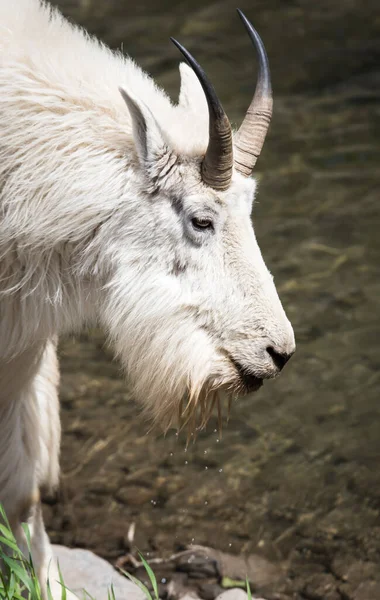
(217, 163)
(250, 138)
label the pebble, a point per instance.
(134, 495)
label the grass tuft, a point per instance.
(18, 579)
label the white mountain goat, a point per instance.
(118, 207)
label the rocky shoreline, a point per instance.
(202, 573)
(86, 574)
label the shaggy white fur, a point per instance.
(100, 203)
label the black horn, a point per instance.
(218, 161)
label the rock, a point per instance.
(322, 585)
(83, 570)
(198, 565)
(368, 590)
(236, 594)
(134, 495)
(204, 562)
(177, 587)
(209, 591)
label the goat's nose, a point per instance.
(279, 357)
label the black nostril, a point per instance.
(279, 358)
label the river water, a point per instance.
(295, 476)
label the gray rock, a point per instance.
(83, 570)
(236, 594)
(209, 591)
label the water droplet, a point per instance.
(163, 580)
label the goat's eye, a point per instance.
(202, 224)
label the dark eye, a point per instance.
(202, 224)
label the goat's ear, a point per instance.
(147, 134)
(191, 95)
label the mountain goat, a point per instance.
(119, 208)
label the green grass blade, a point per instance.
(26, 530)
(4, 517)
(49, 594)
(151, 576)
(63, 593)
(36, 588)
(142, 587)
(10, 543)
(11, 585)
(19, 570)
(64, 587)
(227, 583)
(7, 533)
(249, 594)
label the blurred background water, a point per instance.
(295, 476)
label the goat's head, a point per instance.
(192, 307)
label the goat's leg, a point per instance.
(29, 450)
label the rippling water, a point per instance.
(296, 474)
